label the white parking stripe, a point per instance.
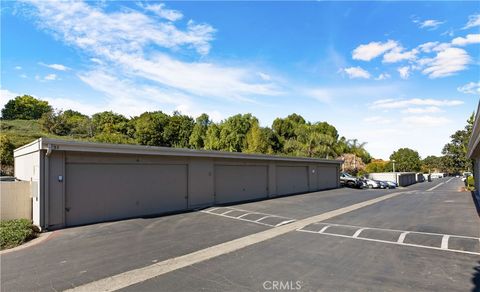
(357, 233)
(128, 278)
(401, 238)
(264, 217)
(449, 180)
(323, 229)
(241, 216)
(285, 222)
(445, 242)
(393, 242)
(431, 189)
(229, 211)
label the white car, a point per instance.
(372, 184)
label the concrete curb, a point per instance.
(41, 238)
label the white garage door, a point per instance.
(101, 192)
(292, 180)
(327, 177)
(235, 183)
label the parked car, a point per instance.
(350, 181)
(382, 184)
(391, 184)
(371, 184)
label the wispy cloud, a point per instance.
(470, 88)
(473, 21)
(426, 120)
(431, 24)
(58, 67)
(121, 41)
(18, 67)
(405, 103)
(404, 72)
(163, 12)
(422, 110)
(357, 72)
(372, 50)
(446, 63)
(50, 77)
(383, 76)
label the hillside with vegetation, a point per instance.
(26, 118)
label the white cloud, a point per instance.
(356, 72)
(18, 67)
(470, 88)
(428, 47)
(398, 54)
(104, 33)
(264, 76)
(404, 72)
(473, 21)
(23, 75)
(469, 39)
(372, 50)
(377, 120)
(58, 67)
(383, 76)
(425, 121)
(405, 103)
(446, 63)
(121, 42)
(50, 77)
(431, 24)
(6, 95)
(160, 10)
(422, 110)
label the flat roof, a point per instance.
(80, 146)
(474, 141)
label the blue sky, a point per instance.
(392, 74)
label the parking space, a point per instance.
(405, 239)
(249, 216)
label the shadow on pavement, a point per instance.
(476, 278)
(477, 203)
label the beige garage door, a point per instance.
(327, 177)
(101, 192)
(235, 183)
(292, 180)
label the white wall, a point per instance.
(28, 168)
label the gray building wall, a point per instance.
(81, 187)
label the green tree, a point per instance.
(67, 123)
(406, 160)
(177, 131)
(6, 150)
(377, 165)
(212, 137)
(456, 151)
(149, 128)
(286, 128)
(257, 140)
(199, 132)
(234, 131)
(25, 107)
(432, 164)
(110, 122)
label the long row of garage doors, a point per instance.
(102, 192)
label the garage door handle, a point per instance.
(67, 209)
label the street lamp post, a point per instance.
(393, 165)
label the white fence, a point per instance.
(15, 200)
(403, 179)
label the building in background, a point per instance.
(474, 150)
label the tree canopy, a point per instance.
(406, 159)
(25, 107)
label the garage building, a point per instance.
(75, 183)
(474, 151)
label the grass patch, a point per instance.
(16, 232)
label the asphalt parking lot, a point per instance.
(424, 237)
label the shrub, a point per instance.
(15, 232)
(470, 183)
